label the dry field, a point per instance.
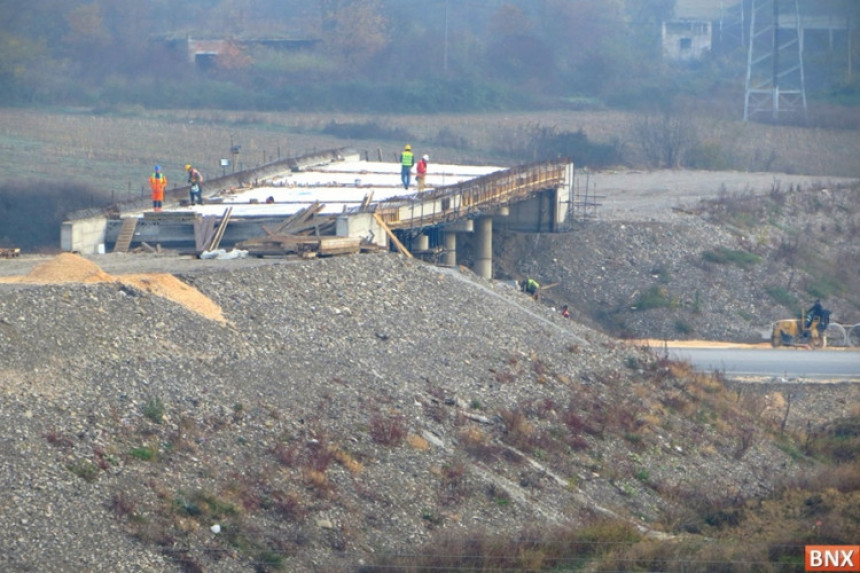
(115, 153)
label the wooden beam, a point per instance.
(400, 248)
(219, 234)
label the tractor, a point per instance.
(806, 330)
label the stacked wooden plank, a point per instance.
(306, 234)
(304, 246)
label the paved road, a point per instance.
(787, 363)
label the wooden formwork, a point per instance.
(459, 200)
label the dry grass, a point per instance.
(417, 442)
(548, 549)
(347, 461)
(115, 153)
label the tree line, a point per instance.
(369, 54)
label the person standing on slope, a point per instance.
(421, 172)
(407, 160)
(158, 183)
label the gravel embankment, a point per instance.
(348, 406)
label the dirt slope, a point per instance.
(721, 269)
(353, 406)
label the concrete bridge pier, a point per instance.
(422, 243)
(484, 247)
(450, 238)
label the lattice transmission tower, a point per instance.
(775, 83)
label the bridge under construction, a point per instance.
(335, 202)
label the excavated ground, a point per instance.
(167, 413)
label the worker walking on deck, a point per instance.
(196, 180)
(407, 160)
(158, 183)
(421, 172)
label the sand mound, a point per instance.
(67, 268)
(71, 268)
(168, 286)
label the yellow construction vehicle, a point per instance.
(806, 330)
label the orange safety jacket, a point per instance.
(158, 183)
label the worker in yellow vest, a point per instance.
(407, 160)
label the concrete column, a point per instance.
(450, 249)
(484, 247)
(422, 243)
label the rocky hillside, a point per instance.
(721, 269)
(315, 415)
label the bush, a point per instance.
(154, 410)
(654, 297)
(782, 296)
(723, 255)
(144, 453)
(709, 156)
(388, 431)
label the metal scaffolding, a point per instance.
(775, 83)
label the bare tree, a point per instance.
(664, 138)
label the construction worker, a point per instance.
(532, 287)
(158, 183)
(421, 172)
(816, 311)
(196, 180)
(565, 312)
(407, 160)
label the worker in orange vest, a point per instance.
(196, 180)
(158, 183)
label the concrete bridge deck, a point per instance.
(362, 199)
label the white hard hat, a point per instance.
(426, 158)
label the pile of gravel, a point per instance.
(348, 406)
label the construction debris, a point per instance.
(303, 246)
(305, 234)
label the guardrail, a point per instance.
(461, 200)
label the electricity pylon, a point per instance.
(775, 83)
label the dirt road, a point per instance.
(645, 195)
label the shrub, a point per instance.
(723, 255)
(154, 410)
(388, 431)
(452, 486)
(144, 453)
(683, 327)
(782, 296)
(708, 156)
(518, 430)
(59, 439)
(654, 297)
(84, 469)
